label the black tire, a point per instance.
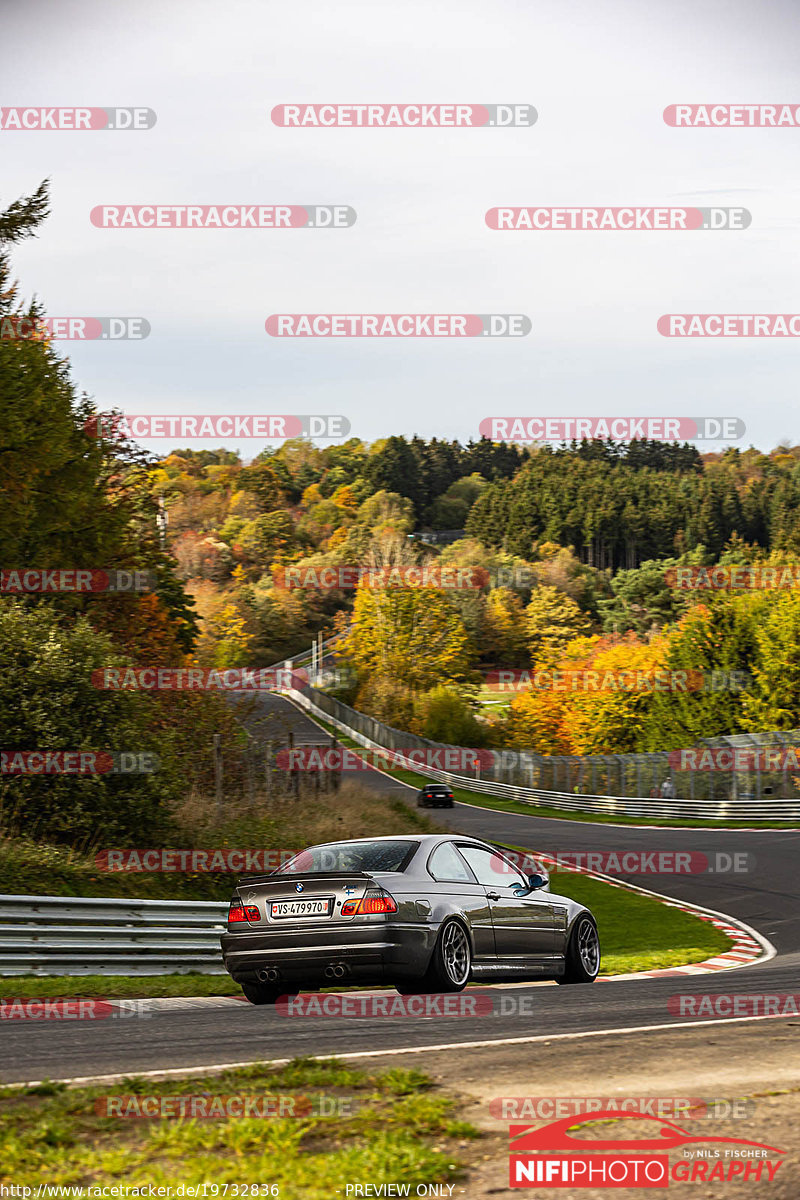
(264, 993)
(582, 960)
(450, 965)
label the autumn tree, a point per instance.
(411, 634)
(774, 699)
(551, 620)
(72, 496)
(503, 638)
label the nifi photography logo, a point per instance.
(577, 1162)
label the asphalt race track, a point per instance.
(175, 1035)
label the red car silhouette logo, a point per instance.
(557, 1136)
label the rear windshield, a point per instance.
(351, 856)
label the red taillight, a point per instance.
(238, 912)
(373, 902)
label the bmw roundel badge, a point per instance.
(298, 887)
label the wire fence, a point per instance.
(750, 773)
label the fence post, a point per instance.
(330, 770)
(249, 762)
(268, 770)
(290, 767)
(336, 772)
(218, 772)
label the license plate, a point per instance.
(300, 908)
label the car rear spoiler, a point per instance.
(245, 880)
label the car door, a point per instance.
(524, 926)
(453, 881)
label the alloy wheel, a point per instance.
(588, 947)
(455, 952)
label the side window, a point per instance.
(447, 866)
(491, 869)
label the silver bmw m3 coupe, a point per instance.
(426, 914)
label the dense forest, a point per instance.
(620, 507)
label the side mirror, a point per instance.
(534, 883)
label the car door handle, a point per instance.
(492, 896)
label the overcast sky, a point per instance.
(599, 77)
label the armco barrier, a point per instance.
(354, 724)
(66, 935)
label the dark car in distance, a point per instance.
(435, 795)
(426, 913)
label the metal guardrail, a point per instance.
(730, 809)
(66, 935)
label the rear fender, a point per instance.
(441, 912)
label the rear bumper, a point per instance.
(371, 953)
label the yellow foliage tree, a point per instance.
(409, 634)
(594, 698)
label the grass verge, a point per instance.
(116, 987)
(393, 1126)
(30, 867)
